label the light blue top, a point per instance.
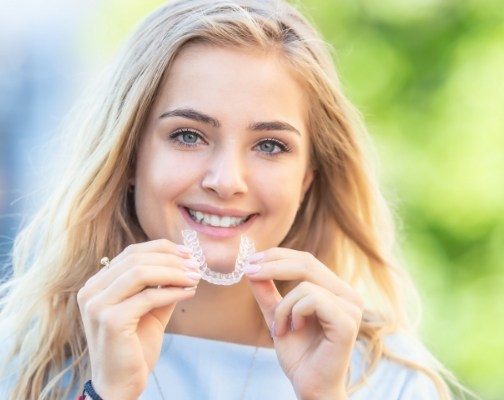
(195, 368)
(191, 368)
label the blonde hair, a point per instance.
(344, 220)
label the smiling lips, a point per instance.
(217, 221)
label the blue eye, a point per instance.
(272, 147)
(186, 137)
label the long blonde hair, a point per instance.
(344, 220)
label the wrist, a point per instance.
(95, 391)
(339, 394)
(329, 396)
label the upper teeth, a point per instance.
(215, 220)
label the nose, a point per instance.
(225, 174)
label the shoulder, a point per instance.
(392, 379)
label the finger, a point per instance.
(334, 317)
(267, 297)
(283, 310)
(138, 278)
(286, 318)
(105, 277)
(131, 310)
(152, 246)
(293, 265)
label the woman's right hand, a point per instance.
(125, 313)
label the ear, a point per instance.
(307, 181)
(131, 177)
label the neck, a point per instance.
(225, 313)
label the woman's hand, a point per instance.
(125, 313)
(314, 327)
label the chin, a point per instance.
(220, 257)
(221, 264)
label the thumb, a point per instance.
(267, 296)
(163, 314)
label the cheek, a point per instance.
(161, 178)
(280, 188)
(279, 194)
(166, 174)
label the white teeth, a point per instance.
(215, 220)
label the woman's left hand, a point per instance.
(314, 327)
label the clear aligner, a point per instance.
(246, 250)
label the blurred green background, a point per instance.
(427, 76)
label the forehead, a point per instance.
(233, 83)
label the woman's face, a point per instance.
(225, 152)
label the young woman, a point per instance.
(226, 118)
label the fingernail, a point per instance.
(256, 257)
(251, 269)
(193, 275)
(183, 249)
(272, 330)
(191, 264)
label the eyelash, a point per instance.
(176, 134)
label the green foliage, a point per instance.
(427, 77)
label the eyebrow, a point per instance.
(198, 116)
